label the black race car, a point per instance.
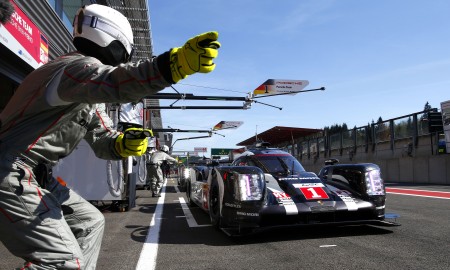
(267, 187)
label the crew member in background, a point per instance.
(151, 148)
(41, 220)
(131, 115)
(165, 167)
(154, 169)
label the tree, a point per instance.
(427, 107)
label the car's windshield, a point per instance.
(279, 164)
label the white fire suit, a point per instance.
(155, 174)
(51, 111)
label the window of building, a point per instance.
(66, 9)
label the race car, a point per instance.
(265, 187)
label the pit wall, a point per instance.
(401, 163)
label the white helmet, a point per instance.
(102, 25)
(165, 148)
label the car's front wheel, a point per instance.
(214, 204)
(182, 185)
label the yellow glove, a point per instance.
(195, 56)
(133, 142)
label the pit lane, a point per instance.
(187, 241)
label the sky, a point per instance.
(383, 58)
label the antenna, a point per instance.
(256, 133)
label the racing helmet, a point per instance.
(165, 148)
(104, 33)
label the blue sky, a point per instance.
(376, 58)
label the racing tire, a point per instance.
(182, 186)
(214, 203)
(190, 202)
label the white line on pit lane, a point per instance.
(149, 252)
(326, 246)
(187, 213)
(189, 217)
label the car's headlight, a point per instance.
(186, 173)
(250, 187)
(374, 183)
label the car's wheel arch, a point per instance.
(216, 189)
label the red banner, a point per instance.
(24, 38)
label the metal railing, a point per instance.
(399, 134)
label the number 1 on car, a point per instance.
(314, 193)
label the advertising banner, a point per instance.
(272, 87)
(445, 109)
(227, 125)
(24, 38)
(200, 149)
(221, 151)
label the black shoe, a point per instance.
(153, 194)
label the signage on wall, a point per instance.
(25, 39)
(221, 151)
(445, 109)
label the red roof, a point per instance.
(278, 134)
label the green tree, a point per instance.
(427, 107)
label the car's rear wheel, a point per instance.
(214, 204)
